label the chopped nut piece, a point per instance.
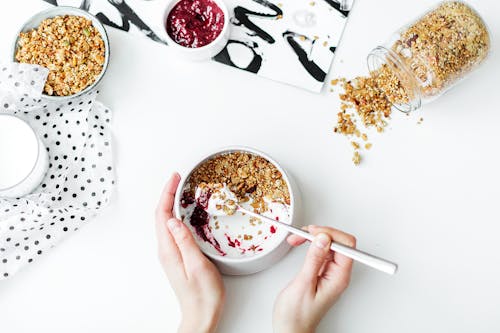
(356, 158)
(368, 146)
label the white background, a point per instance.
(426, 196)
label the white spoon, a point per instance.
(363, 257)
(223, 201)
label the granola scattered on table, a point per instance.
(432, 54)
(369, 99)
(70, 47)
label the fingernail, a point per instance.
(173, 225)
(321, 241)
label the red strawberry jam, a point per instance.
(199, 220)
(187, 199)
(195, 23)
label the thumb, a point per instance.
(315, 258)
(190, 252)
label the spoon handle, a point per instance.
(363, 257)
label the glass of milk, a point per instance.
(23, 158)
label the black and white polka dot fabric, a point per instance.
(80, 177)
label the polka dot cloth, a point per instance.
(80, 177)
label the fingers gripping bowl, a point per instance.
(238, 244)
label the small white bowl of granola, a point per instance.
(236, 243)
(71, 43)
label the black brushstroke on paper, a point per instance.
(127, 15)
(336, 5)
(310, 66)
(242, 17)
(225, 58)
(85, 5)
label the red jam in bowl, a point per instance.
(195, 23)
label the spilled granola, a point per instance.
(429, 56)
(370, 99)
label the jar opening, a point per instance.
(383, 56)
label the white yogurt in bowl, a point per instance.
(23, 158)
(238, 244)
(234, 235)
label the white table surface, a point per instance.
(426, 196)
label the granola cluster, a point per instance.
(444, 45)
(246, 175)
(370, 99)
(225, 202)
(70, 47)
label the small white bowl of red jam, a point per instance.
(197, 29)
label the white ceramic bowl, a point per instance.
(260, 261)
(205, 52)
(23, 155)
(34, 22)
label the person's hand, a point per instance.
(322, 279)
(195, 280)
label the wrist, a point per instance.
(292, 329)
(197, 325)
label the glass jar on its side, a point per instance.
(433, 53)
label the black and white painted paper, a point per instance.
(291, 41)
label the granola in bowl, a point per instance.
(71, 47)
(254, 183)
